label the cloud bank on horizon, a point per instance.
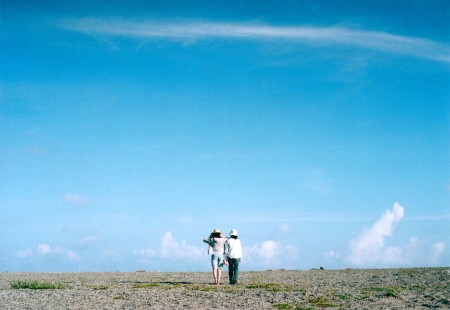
(367, 250)
(189, 32)
(44, 251)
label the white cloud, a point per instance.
(369, 246)
(267, 250)
(25, 253)
(331, 254)
(169, 248)
(146, 252)
(274, 251)
(172, 248)
(285, 229)
(270, 254)
(45, 250)
(71, 255)
(192, 31)
(111, 255)
(369, 249)
(88, 240)
(437, 250)
(282, 232)
(75, 199)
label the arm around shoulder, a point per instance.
(209, 241)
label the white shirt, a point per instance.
(233, 248)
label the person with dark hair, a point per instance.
(233, 255)
(216, 242)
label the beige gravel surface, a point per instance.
(417, 288)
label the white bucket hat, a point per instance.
(233, 232)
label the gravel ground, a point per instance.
(418, 288)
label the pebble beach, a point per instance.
(415, 288)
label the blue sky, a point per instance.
(130, 130)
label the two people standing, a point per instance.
(226, 251)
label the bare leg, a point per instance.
(214, 274)
(219, 273)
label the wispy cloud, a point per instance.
(45, 250)
(36, 150)
(88, 240)
(188, 31)
(111, 255)
(75, 199)
(430, 217)
(315, 181)
(71, 255)
(327, 217)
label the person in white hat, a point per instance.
(233, 255)
(216, 242)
